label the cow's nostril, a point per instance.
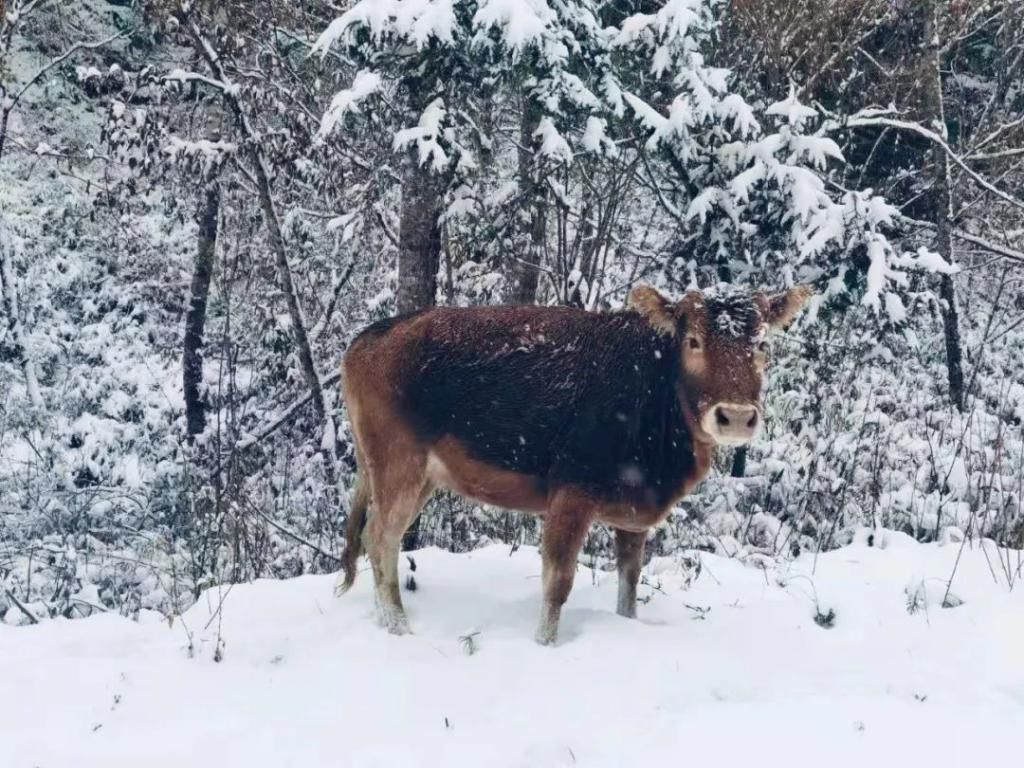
(753, 421)
(720, 418)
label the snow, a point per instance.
(182, 76)
(426, 135)
(735, 108)
(521, 22)
(649, 117)
(552, 145)
(703, 203)
(816, 150)
(792, 110)
(733, 669)
(928, 260)
(346, 101)
(416, 20)
(594, 134)
(212, 151)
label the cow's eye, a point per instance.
(693, 342)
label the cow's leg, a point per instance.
(565, 527)
(629, 555)
(398, 496)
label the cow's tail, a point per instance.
(354, 532)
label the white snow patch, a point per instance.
(426, 135)
(347, 101)
(552, 145)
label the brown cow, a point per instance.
(578, 416)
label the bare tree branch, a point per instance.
(863, 120)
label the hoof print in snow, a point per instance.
(825, 619)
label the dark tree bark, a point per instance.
(739, 462)
(195, 318)
(954, 349)
(943, 205)
(419, 237)
(527, 257)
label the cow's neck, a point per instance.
(704, 448)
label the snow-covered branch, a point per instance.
(181, 76)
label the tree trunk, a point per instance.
(195, 318)
(532, 219)
(419, 237)
(9, 301)
(951, 331)
(739, 462)
(943, 205)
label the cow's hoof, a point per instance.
(546, 634)
(394, 621)
(398, 629)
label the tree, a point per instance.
(423, 188)
(943, 203)
(195, 318)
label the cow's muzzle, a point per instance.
(732, 423)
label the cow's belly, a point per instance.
(631, 517)
(450, 466)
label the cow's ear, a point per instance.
(659, 311)
(783, 307)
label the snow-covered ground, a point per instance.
(731, 670)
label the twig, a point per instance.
(285, 415)
(270, 521)
(18, 604)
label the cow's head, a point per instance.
(722, 335)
